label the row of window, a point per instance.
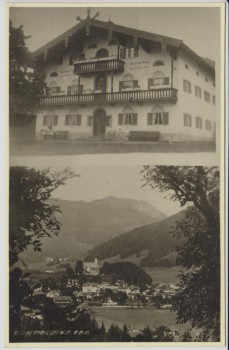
(197, 73)
(187, 87)
(123, 119)
(198, 122)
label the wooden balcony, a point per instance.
(157, 95)
(99, 65)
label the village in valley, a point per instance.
(86, 288)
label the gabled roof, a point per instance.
(78, 28)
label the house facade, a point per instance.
(108, 81)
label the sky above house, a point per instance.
(198, 27)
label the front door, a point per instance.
(99, 122)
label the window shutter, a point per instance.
(120, 85)
(120, 119)
(58, 89)
(67, 120)
(45, 120)
(135, 118)
(135, 83)
(80, 90)
(108, 120)
(70, 60)
(69, 90)
(90, 120)
(166, 118)
(150, 119)
(55, 119)
(136, 50)
(166, 81)
(78, 119)
(122, 52)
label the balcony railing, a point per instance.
(158, 95)
(99, 65)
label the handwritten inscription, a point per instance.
(139, 65)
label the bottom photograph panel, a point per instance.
(114, 254)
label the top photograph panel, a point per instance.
(114, 80)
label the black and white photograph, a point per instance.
(115, 175)
(130, 256)
(114, 80)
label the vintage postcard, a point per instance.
(116, 232)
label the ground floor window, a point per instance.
(50, 120)
(127, 119)
(198, 123)
(187, 120)
(208, 125)
(73, 120)
(158, 118)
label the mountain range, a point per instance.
(148, 245)
(88, 224)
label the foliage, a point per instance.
(160, 334)
(126, 271)
(79, 267)
(31, 215)
(25, 84)
(198, 297)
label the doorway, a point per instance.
(100, 83)
(99, 122)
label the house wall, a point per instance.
(141, 68)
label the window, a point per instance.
(127, 117)
(206, 79)
(208, 125)
(53, 88)
(206, 96)
(53, 74)
(90, 121)
(92, 46)
(198, 123)
(77, 57)
(198, 91)
(197, 73)
(158, 81)
(213, 99)
(187, 120)
(113, 42)
(130, 52)
(50, 120)
(186, 66)
(158, 63)
(158, 118)
(73, 120)
(102, 53)
(187, 86)
(128, 82)
(75, 89)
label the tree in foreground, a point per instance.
(32, 217)
(198, 298)
(26, 84)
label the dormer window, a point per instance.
(158, 63)
(53, 74)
